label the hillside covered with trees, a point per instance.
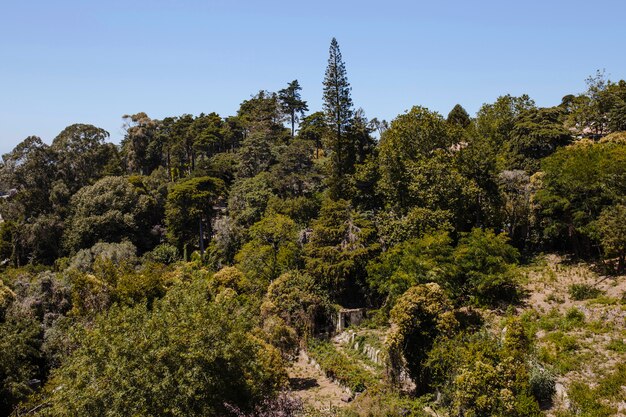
(189, 269)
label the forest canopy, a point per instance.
(180, 272)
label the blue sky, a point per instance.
(64, 62)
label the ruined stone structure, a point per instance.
(349, 317)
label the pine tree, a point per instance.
(338, 112)
(459, 116)
(292, 103)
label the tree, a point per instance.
(272, 250)
(485, 269)
(577, 183)
(496, 121)
(248, 199)
(29, 169)
(458, 116)
(314, 128)
(338, 112)
(421, 314)
(36, 205)
(262, 114)
(299, 301)
(537, 133)
(142, 145)
(83, 156)
(342, 241)
(413, 262)
(610, 229)
(412, 137)
(111, 210)
(295, 174)
(360, 132)
(20, 340)
(189, 210)
(292, 103)
(184, 356)
(516, 190)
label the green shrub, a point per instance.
(185, 356)
(617, 345)
(586, 402)
(575, 316)
(542, 384)
(581, 292)
(164, 254)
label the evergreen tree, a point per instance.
(338, 112)
(292, 104)
(458, 116)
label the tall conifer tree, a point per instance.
(338, 112)
(292, 103)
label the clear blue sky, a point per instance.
(64, 62)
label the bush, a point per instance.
(164, 254)
(542, 384)
(575, 316)
(298, 300)
(19, 355)
(487, 272)
(421, 314)
(186, 356)
(581, 292)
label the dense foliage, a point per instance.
(176, 273)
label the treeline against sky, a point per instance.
(296, 210)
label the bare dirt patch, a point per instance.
(310, 384)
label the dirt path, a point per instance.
(313, 387)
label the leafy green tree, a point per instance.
(294, 173)
(255, 154)
(479, 162)
(360, 132)
(189, 210)
(599, 110)
(341, 243)
(262, 113)
(111, 210)
(208, 133)
(486, 272)
(364, 184)
(299, 301)
(490, 380)
(610, 229)
(515, 187)
(184, 356)
(29, 169)
(301, 209)
(458, 116)
(537, 133)
(413, 262)
(338, 112)
(577, 183)
(83, 156)
(421, 314)
(496, 121)
(272, 250)
(248, 199)
(292, 103)
(20, 340)
(31, 207)
(142, 145)
(314, 128)
(411, 137)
